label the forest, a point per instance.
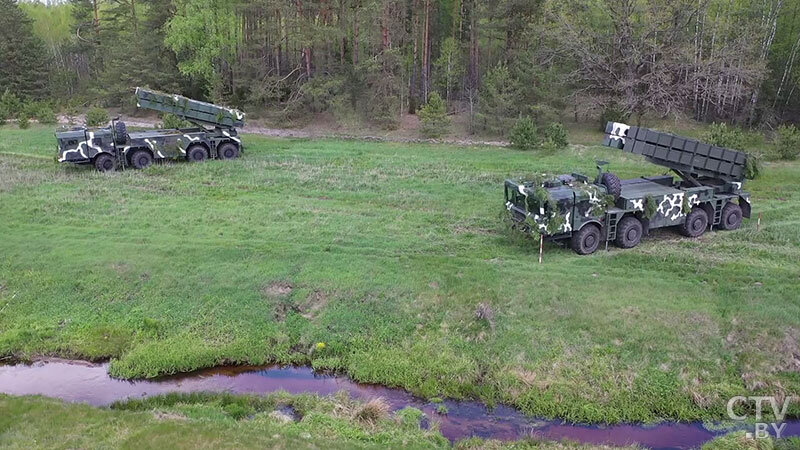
(733, 61)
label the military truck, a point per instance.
(586, 213)
(214, 135)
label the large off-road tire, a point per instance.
(587, 240)
(612, 184)
(629, 232)
(196, 153)
(140, 159)
(104, 163)
(696, 223)
(731, 217)
(228, 150)
(120, 133)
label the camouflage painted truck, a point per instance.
(214, 135)
(587, 213)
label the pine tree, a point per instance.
(23, 57)
(434, 117)
(498, 101)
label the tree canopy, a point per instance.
(712, 60)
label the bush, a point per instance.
(96, 117)
(23, 122)
(524, 135)
(555, 135)
(612, 113)
(171, 121)
(434, 117)
(788, 142)
(42, 112)
(721, 135)
(10, 106)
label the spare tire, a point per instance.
(120, 132)
(612, 184)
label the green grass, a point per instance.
(203, 421)
(383, 252)
(213, 421)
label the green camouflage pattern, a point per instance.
(559, 206)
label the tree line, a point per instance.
(732, 61)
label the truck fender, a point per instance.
(594, 221)
(744, 203)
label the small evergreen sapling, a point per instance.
(524, 135)
(434, 117)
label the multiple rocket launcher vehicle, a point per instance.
(571, 208)
(566, 208)
(111, 148)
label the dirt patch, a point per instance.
(163, 415)
(277, 289)
(313, 304)
(321, 128)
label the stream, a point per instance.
(75, 381)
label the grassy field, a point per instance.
(384, 252)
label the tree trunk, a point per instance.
(355, 35)
(426, 52)
(385, 43)
(413, 81)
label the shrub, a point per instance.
(752, 168)
(721, 135)
(434, 117)
(10, 106)
(788, 142)
(41, 111)
(612, 113)
(23, 122)
(171, 121)
(96, 117)
(556, 135)
(524, 134)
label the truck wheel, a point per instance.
(120, 132)
(104, 163)
(140, 159)
(612, 184)
(696, 223)
(629, 232)
(196, 153)
(731, 217)
(228, 151)
(587, 240)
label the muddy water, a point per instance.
(90, 383)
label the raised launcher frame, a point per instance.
(692, 160)
(195, 111)
(698, 164)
